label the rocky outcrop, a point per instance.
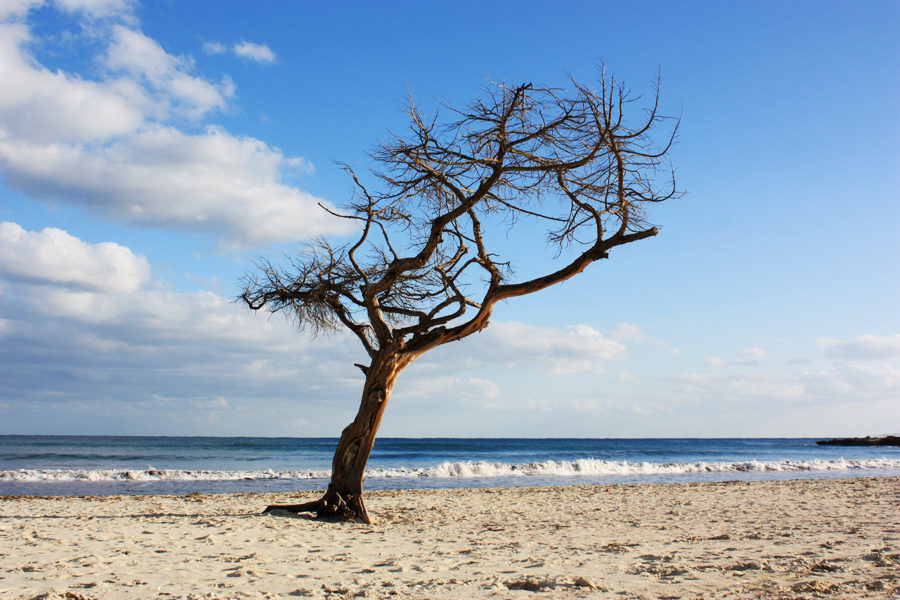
(888, 440)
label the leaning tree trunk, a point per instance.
(343, 499)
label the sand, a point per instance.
(837, 538)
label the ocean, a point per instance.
(113, 465)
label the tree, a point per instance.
(421, 272)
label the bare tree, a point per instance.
(422, 273)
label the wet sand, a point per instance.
(836, 538)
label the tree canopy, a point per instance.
(425, 269)
(422, 271)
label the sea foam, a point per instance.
(459, 470)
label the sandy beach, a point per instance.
(837, 538)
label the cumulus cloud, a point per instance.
(114, 146)
(165, 77)
(54, 256)
(54, 109)
(213, 183)
(258, 52)
(864, 347)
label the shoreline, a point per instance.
(128, 486)
(836, 538)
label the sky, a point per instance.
(151, 151)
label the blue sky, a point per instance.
(150, 151)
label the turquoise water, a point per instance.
(96, 465)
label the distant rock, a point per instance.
(888, 440)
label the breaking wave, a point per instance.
(459, 470)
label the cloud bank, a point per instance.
(87, 329)
(88, 322)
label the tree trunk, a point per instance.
(343, 499)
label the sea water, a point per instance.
(104, 465)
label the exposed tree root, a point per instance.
(333, 506)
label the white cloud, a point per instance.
(864, 347)
(106, 332)
(213, 404)
(626, 376)
(213, 183)
(112, 145)
(87, 331)
(574, 349)
(132, 345)
(10, 9)
(98, 8)
(627, 332)
(165, 76)
(247, 50)
(424, 387)
(854, 382)
(752, 352)
(214, 48)
(54, 256)
(762, 391)
(54, 108)
(258, 52)
(519, 346)
(94, 9)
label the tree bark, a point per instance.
(343, 500)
